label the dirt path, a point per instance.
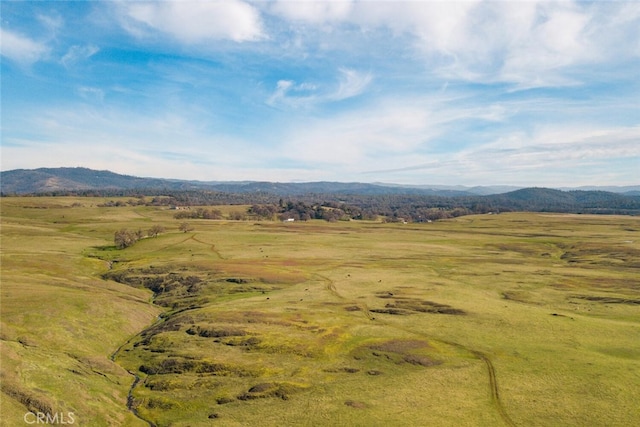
(491, 370)
(212, 246)
(331, 287)
(493, 381)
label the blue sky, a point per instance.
(423, 92)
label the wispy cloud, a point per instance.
(546, 157)
(91, 93)
(280, 94)
(122, 140)
(78, 53)
(350, 83)
(52, 22)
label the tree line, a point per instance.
(393, 207)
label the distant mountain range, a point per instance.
(59, 180)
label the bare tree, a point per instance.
(155, 230)
(124, 238)
(185, 227)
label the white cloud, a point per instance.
(21, 49)
(616, 29)
(520, 42)
(547, 41)
(194, 22)
(528, 43)
(312, 11)
(365, 136)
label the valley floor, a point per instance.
(512, 319)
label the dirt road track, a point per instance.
(493, 384)
(491, 371)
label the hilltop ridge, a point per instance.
(77, 179)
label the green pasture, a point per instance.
(516, 319)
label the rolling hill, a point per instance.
(83, 181)
(51, 180)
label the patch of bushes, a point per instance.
(159, 403)
(248, 342)
(237, 280)
(199, 213)
(175, 365)
(265, 390)
(403, 306)
(218, 332)
(398, 352)
(162, 384)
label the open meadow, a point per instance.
(517, 319)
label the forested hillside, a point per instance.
(315, 200)
(392, 207)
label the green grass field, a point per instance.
(516, 319)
